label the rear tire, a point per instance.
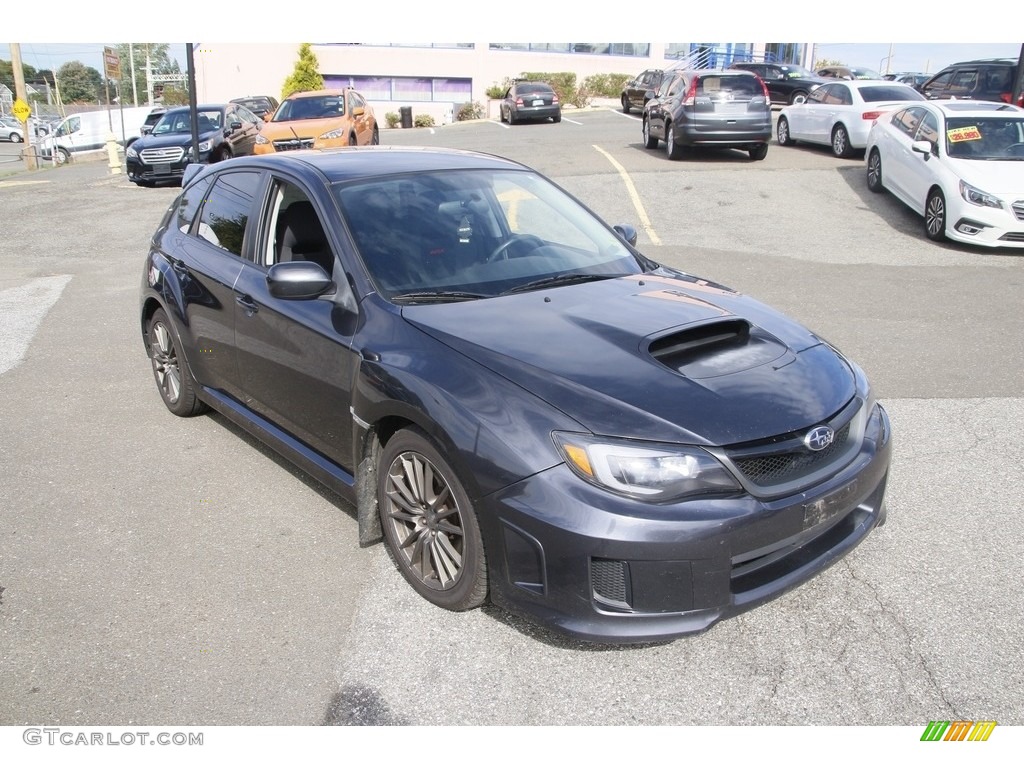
(170, 369)
(875, 171)
(841, 142)
(16, 138)
(760, 152)
(625, 104)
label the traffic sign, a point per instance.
(21, 110)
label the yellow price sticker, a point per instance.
(968, 133)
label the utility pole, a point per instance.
(20, 95)
(131, 65)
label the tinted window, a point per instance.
(189, 202)
(227, 210)
(890, 93)
(733, 88)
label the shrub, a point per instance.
(423, 121)
(608, 86)
(471, 110)
(392, 119)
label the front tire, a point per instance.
(651, 142)
(170, 369)
(63, 156)
(935, 216)
(875, 171)
(673, 150)
(375, 137)
(224, 153)
(841, 142)
(429, 525)
(782, 133)
(16, 138)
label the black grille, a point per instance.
(286, 144)
(1013, 237)
(1018, 209)
(609, 580)
(779, 468)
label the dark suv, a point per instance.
(641, 88)
(710, 107)
(785, 81)
(978, 80)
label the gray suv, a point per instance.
(729, 109)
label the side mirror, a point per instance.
(236, 125)
(923, 147)
(146, 130)
(627, 232)
(298, 280)
(358, 111)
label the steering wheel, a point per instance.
(503, 248)
(1016, 149)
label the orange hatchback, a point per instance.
(317, 120)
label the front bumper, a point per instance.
(608, 569)
(139, 170)
(989, 227)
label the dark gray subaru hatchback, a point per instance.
(522, 406)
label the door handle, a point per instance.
(246, 303)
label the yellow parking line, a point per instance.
(22, 183)
(645, 222)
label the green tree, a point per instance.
(306, 75)
(7, 73)
(175, 96)
(79, 83)
(159, 60)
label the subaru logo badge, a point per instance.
(819, 438)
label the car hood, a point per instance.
(169, 140)
(304, 129)
(655, 357)
(1004, 178)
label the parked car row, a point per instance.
(311, 119)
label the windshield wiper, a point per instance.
(555, 280)
(431, 297)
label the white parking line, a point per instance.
(645, 222)
(496, 122)
(567, 120)
(23, 309)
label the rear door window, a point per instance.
(229, 204)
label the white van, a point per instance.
(88, 131)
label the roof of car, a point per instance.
(967, 108)
(200, 107)
(349, 163)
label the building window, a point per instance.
(593, 49)
(405, 88)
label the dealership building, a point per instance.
(438, 78)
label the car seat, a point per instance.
(301, 237)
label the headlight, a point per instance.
(975, 196)
(337, 133)
(649, 471)
(204, 146)
(130, 152)
(261, 139)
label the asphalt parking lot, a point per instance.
(158, 570)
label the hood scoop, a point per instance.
(717, 348)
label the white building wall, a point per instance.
(229, 70)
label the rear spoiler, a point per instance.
(190, 172)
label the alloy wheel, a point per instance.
(165, 362)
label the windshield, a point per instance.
(181, 122)
(310, 108)
(985, 138)
(795, 71)
(457, 235)
(861, 73)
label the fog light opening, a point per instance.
(968, 227)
